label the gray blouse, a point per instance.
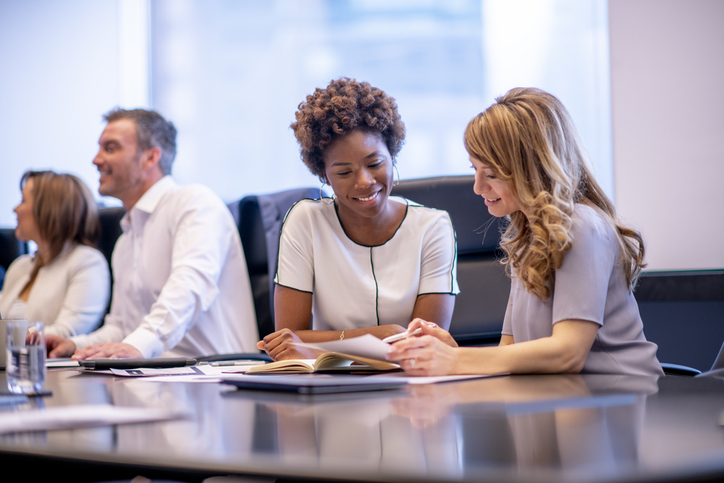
(590, 285)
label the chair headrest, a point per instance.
(477, 231)
(260, 219)
(252, 234)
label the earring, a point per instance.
(323, 199)
(395, 183)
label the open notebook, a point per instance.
(359, 354)
(327, 362)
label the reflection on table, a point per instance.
(557, 428)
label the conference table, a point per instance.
(540, 428)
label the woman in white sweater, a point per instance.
(66, 284)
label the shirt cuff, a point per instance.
(60, 331)
(146, 342)
(80, 341)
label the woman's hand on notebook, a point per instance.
(280, 345)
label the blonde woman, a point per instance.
(66, 284)
(573, 264)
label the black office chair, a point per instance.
(484, 286)
(259, 218)
(110, 220)
(682, 313)
(10, 249)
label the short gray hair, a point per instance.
(152, 131)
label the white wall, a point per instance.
(667, 87)
(560, 46)
(63, 64)
(59, 71)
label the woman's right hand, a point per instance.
(431, 328)
(280, 345)
(425, 355)
(431, 353)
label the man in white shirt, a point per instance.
(181, 287)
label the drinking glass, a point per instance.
(25, 369)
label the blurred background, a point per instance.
(231, 73)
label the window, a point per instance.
(231, 73)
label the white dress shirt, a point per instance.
(69, 295)
(181, 287)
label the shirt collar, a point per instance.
(150, 199)
(148, 202)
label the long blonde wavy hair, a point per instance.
(528, 140)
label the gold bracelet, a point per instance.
(341, 336)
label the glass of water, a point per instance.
(25, 356)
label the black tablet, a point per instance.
(105, 364)
(312, 383)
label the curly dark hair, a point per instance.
(345, 105)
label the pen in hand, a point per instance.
(402, 335)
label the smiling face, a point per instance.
(119, 162)
(27, 228)
(359, 168)
(495, 192)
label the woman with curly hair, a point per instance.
(361, 262)
(66, 284)
(573, 264)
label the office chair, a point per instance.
(260, 223)
(682, 311)
(10, 249)
(259, 218)
(110, 220)
(484, 286)
(679, 370)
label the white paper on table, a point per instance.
(161, 371)
(205, 373)
(63, 362)
(80, 416)
(365, 346)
